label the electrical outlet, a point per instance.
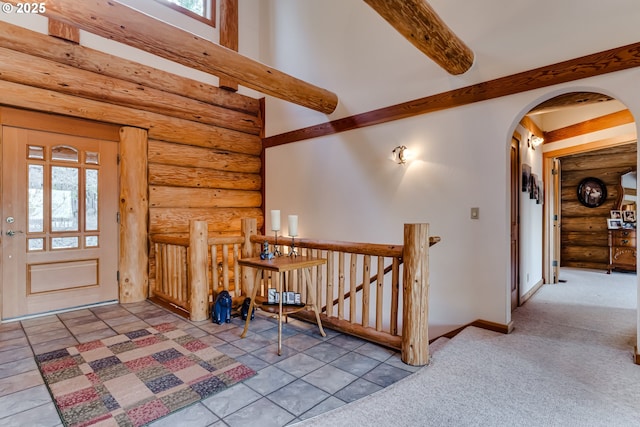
(475, 213)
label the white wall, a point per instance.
(344, 187)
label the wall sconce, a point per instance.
(536, 141)
(400, 154)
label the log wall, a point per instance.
(584, 234)
(204, 143)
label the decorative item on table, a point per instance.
(291, 298)
(293, 232)
(272, 296)
(244, 311)
(265, 254)
(222, 308)
(275, 227)
(298, 300)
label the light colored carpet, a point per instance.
(568, 362)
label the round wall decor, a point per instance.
(592, 192)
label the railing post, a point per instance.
(249, 228)
(134, 205)
(415, 297)
(198, 284)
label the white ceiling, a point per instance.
(516, 35)
(346, 47)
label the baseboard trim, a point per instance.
(493, 326)
(482, 324)
(532, 291)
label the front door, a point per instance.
(59, 224)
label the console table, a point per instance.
(622, 249)
(282, 265)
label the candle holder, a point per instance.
(276, 247)
(292, 247)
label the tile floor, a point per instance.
(314, 374)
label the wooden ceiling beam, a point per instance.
(229, 35)
(115, 21)
(619, 118)
(420, 24)
(597, 64)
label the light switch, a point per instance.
(475, 213)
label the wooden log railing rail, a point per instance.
(388, 307)
(344, 288)
(187, 272)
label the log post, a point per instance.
(133, 263)
(64, 31)
(249, 228)
(415, 298)
(229, 36)
(198, 284)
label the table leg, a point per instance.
(307, 276)
(254, 291)
(280, 284)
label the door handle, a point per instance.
(13, 233)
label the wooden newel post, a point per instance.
(415, 298)
(199, 286)
(249, 228)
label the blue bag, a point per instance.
(222, 308)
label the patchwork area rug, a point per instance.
(135, 378)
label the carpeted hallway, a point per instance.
(568, 362)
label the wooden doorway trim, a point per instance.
(551, 220)
(515, 186)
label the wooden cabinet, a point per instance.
(622, 249)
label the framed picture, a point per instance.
(592, 192)
(533, 186)
(298, 300)
(540, 197)
(616, 214)
(613, 224)
(526, 173)
(629, 216)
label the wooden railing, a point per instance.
(351, 297)
(374, 291)
(168, 282)
(186, 272)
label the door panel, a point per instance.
(60, 231)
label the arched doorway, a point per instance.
(555, 229)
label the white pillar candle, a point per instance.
(293, 225)
(275, 220)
